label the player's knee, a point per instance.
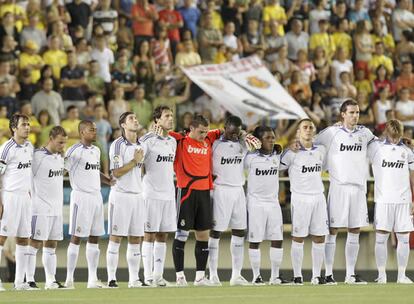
(93, 239)
(333, 231)
(75, 240)
(22, 241)
(134, 240)
(239, 233)
(182, 235)
(318, 239)
(35, 243)
(276, 244)
(149, 237)
(215, 234)
(161, 237)
(297, 239)
(254, 245)
(354, 230)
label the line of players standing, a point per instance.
(146, 206)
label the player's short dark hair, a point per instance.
(260, 131)
(233, 121)
(199, 120)
(56, 131)
(158, 112)
(346, 104)
(70, 108)
(83, 124)
(123, 118)
(14, 121)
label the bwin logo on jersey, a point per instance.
(231, 160)
(316, 168)
(89, 166)
(53, 173)
(354, 147)
(24, 165)
(399, 164)
(196, 150)
(165, 158)
(271, 171)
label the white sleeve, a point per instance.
(4, 153)
(247, 161)
(372, 150)
(116, 160)
(324, 137)
(410, 159)
(370, 135)
(286, 159)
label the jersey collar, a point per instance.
(302, 148)
(387, 142)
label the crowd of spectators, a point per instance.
(66, 60)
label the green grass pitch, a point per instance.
(371, 293)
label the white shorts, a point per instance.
(309, 215)
(160, 216)
(126, 214)
(47, 228)
(393, 217)
(265, 221)
(347, 206)
(86, 214)
(229, 208)
(17, 213)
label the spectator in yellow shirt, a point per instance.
(361, 83)
(274, 12)
(341, 38)
(30, 60)
(378, 35)
(217, 21)
(71, 124)
(9, 6)
(378, 58)
(26, 109)
(322, 39)
(4, 125)
(55, 57)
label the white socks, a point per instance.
(381, 253)
(21, 263)
(276, 256)
(49, 264)
(330, 246)
(213, 247)
(403, 252)
(160, 250)
(112, 257)
(351, 253)
(254, 257)
(318, 253)
(147, 259)
(133, 256)
(296, 254)
(31, 263)
(237, 255)
(92, 257)
(72, 259)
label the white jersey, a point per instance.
(48, 170)
(228, 162)
(122, 152)
(83, 164)
(18, 159)
(346, 154)
(391, 165)
(262, 177)
(159, 166)
(305, 168)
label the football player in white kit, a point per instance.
(308, 203)
(16, 157)
(47, 206)
(229, 202)
(126, 212)
(82, 161)
(346, 146)
(393, 168)
(265, 220)
(159, 194)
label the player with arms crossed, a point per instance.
(159, 194)
(308, 203)
(47, 206)
(16, 156)
(265, 220)
(346, 146)
(126, 211)
(393, 168)
(82, 161)
(229, 202)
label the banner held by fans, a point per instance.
(247, 89)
